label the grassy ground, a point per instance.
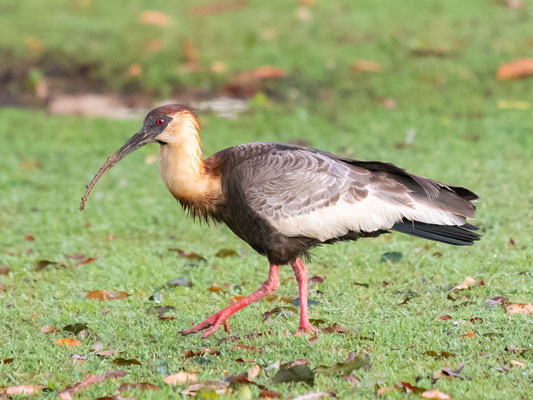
(462, 137)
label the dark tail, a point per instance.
(456, 235)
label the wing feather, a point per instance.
(304, 192)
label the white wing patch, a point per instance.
(368, 215)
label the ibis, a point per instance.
(284, 200)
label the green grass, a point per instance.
(462, 137)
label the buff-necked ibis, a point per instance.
(284, 200)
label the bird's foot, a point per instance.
(305, 330)
(213, 323)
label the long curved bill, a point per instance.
(138, 140)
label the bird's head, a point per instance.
(167, 124)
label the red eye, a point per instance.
(160, 122)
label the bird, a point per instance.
(284, 200)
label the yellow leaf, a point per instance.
(67, 342)
(520, 308)
(180, 378)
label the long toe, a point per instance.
(306, 331)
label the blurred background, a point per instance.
(118, 58)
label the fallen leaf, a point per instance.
(442, 354)
(215, 288)
(105, 295)
(445, 317)
(23, 389)
(516, 363)
(517, 69)
(511, 242)
(87, 381)
(180, 378)
(133, 71)
(75, 328)
(201, 353)
(515, 349)
(246, 347)
(125, 361)
(468, 335)
(445, 372)
(67, 342)
(138, 385)
(7, 360)
(302, 361)
(48, 329)
(155, 18)
(34, 44)
(317, 279)
(298, 373)
(115, 373)
(335, 328)
(366, 66)
(29, 237)
(77, 359)
(106, 353)
(159, 310)
(310, 302)
(217, 7)
(403, 387)
(343, 368)
(248, 83)
(223, 253)
(435, 394)
(467, 284)
(278, 310)
(269, 394)
(208, 389)
(496, 301)
(4, 270)
(188, 254)
(520, 308)
(42, 264)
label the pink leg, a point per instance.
(300, 271)
(214, 321)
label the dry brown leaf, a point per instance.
(445, 317)
(155, 18)
(366, 66)
(115, 373)
(138, 385)
(134, 70)
(48, 329)
(67, 342)
(467, 284)
(269, 394)
(516, 363)
(248, 83)
(4, 270)
(29, 236)
(521, 68)
(105, 295)
(181, 378)
(520, 308)
(215, 288)
(468, 335)
(87, 381)
(253, 372)
(435, 394)
(217, 7)
(34, 44)
(23, 389)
